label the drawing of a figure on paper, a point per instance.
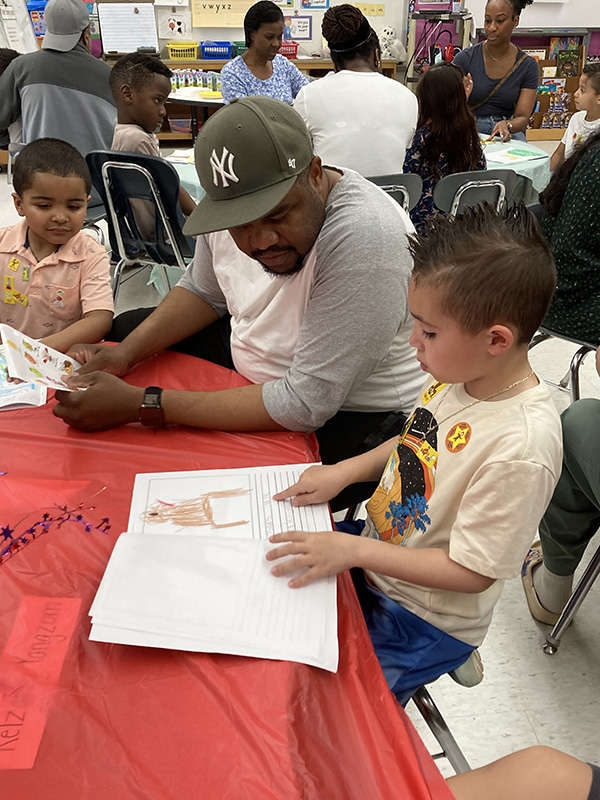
(196, 512)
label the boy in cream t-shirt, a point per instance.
(464, 487)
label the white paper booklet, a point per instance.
(18, 395)
(32, 361)
(190, 572)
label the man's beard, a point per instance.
(299, 263)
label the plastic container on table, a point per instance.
(182, 51)
(289, 49)
(217, 49)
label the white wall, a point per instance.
(540, 14)
(395, 15)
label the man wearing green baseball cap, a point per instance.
(299, 282)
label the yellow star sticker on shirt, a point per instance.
(458, 438)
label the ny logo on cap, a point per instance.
(218, 167)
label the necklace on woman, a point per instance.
(435, 427)
(500, 58)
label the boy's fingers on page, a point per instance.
(285, 493)
(310, 576)
(287, 536)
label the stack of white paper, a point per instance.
(191, 574)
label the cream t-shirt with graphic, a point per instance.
(476, 486)
(578, 130)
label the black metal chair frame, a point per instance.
(405, 187)
(161, 188)
(495, 186)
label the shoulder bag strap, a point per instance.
(499, 84)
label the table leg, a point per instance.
(194, 116)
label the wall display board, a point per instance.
(564, 14)
(221, 14)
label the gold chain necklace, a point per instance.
(487, 49)
(432, 428)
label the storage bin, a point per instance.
(183, 51)
(289, 49)
(217, 49)
(240, 48)
(36, 15)
(180, 125)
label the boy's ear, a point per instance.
(501, 339)
(126, 93)
(18, 204)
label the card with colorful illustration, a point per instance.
(18, 395)
(33, 362)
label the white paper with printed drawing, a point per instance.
(191, 574)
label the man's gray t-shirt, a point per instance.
(334, 335)
(504, 101)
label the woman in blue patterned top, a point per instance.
(261, 70)
(446, 139)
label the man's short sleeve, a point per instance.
(200, 279)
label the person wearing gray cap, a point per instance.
(60, 91)
(299, 282)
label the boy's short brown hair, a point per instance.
(592, 73)
(491, 268)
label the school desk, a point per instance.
(82, 720)
(537, 168)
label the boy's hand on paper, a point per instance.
(319, 554)
(317, 484)
(99, 357)
(107, 402)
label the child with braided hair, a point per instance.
(357, 117)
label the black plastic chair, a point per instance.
(121, 177)
(454, 193)
(405, 187)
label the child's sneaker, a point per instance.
(471, 672)
(537, 610)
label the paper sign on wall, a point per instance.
(219, 13)
(174, 23)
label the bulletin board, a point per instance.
(219, 13)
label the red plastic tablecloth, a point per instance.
(117, 722)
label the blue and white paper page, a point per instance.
(191, 574)
(18, 395)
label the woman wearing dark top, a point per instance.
(571, 224)
(505, 113)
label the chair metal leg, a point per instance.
(539, 337)
(584, 584)
(576, 362)
(91, 226)
(437, 725)
(117, 278)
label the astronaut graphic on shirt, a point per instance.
(400, 503)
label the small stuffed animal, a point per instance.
(391, 46)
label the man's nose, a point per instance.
(262, 237)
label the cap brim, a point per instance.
(219, 215)
(63, 42)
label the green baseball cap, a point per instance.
(248, 157)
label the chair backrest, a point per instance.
(537, 209)
(463, 190)
(405, 187)
(121, 177)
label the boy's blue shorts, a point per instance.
(410, 650)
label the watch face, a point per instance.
(151, 412)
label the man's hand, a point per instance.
(316, 485)
(320, 554)
(99, 357)
(106, 403)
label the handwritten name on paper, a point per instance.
(30, 667)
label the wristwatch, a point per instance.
(151, 412)
(509, 125)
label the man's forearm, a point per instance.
(179, 315)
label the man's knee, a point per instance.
(581, 428)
